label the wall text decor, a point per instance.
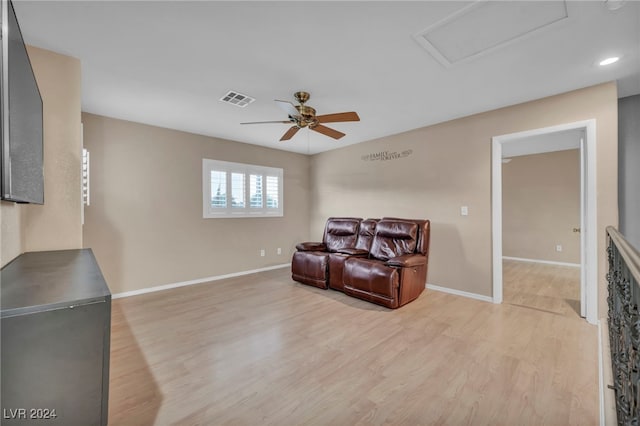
(386, 155)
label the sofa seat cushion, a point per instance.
(372, 277)
(310, 268)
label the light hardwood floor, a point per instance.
(551, 288)
(263, 350)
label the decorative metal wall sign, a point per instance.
(624, 331)
(386, 155)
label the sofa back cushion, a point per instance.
(341, 232)
(394, 238)
(424, 233)
(366, 233)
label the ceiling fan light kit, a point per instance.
(302, 116)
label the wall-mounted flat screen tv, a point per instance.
(22, 173)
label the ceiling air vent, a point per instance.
(238, 99)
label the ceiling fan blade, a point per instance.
(288, 107)
(263, 122)
(289, 134)
(338, 117)
(328, 131)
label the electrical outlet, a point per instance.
(464, 211)
(279, 250)
(262, 253)
(558, 247)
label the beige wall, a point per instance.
(56, 224)
(145, 221)
(11, 231)
(450, 166)
(541, 206)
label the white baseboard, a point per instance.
(548, 262)
(460, 293)
(196, 281)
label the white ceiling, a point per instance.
(167, 63)
(549, 142)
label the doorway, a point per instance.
(538, 141)
(541, 225)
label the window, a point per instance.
(240, 190)
(273, 191)
(218, 189)
(255, 185)
(237, 189)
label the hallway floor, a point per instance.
(549, 288)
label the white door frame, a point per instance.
(588, 211)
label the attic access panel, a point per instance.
(487, 25)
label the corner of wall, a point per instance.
(12, 226)
(56, 224)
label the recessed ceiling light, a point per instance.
(610, 60)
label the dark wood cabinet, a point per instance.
(55, 334)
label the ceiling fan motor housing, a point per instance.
(307, 116)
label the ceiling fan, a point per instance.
(305, 116)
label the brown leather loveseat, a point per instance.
(382, 261)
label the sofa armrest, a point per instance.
(407, 261)
(311, 247)
(354, 252)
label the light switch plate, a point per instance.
(464, 211)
